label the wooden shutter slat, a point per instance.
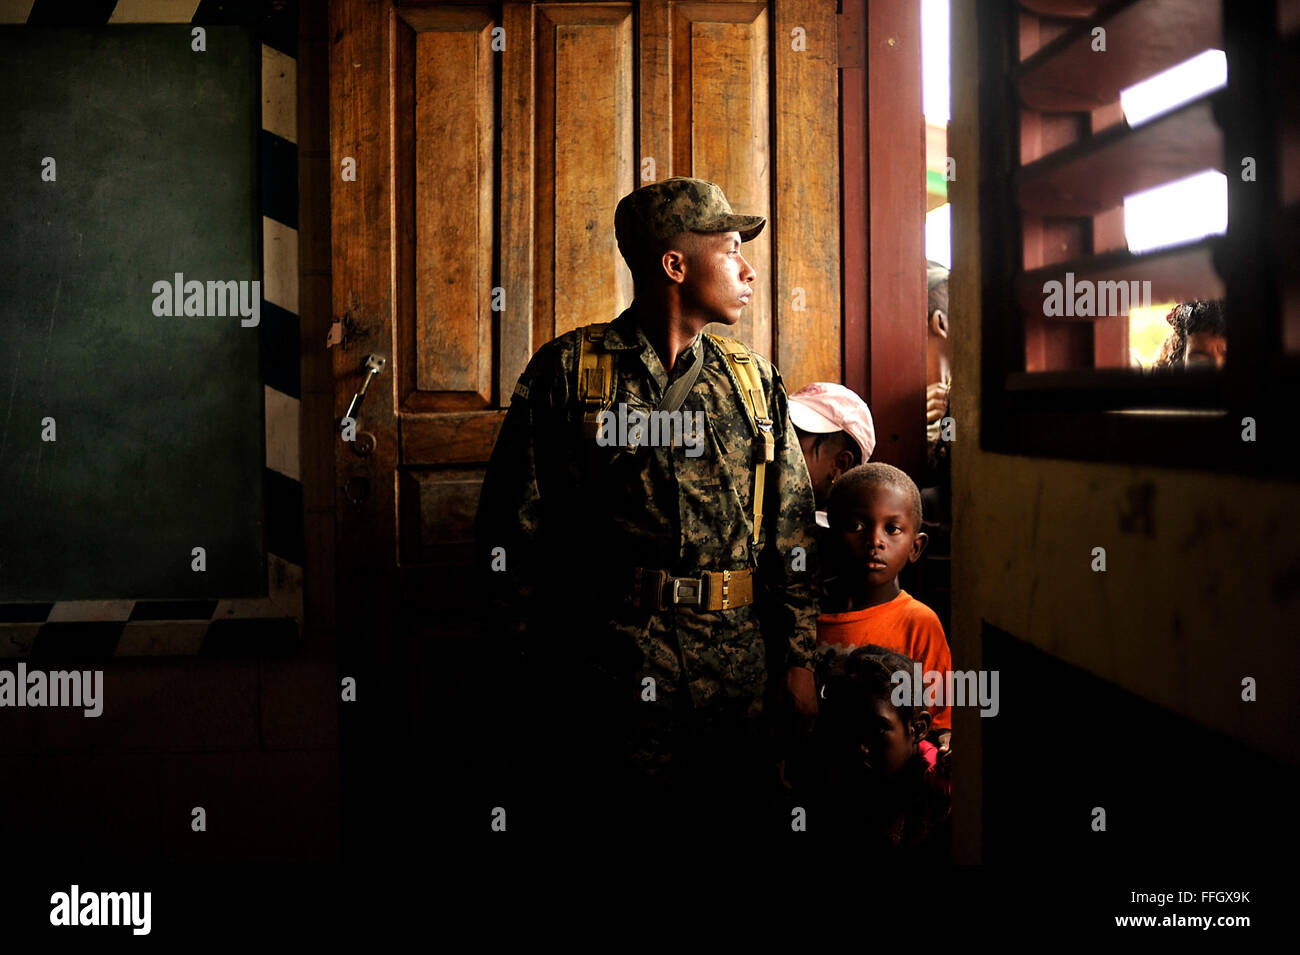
(1083, 388)
(1143, 38)
(1073, 9)
(1095, 175)
(1179, 273)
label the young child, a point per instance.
(875, 517)
(875, 776)
(1198, 336)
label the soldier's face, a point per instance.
(718, 279)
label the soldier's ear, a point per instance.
(674, 265)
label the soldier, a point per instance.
(639, 572)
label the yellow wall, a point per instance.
(1181, 615)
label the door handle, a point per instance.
(374, 365)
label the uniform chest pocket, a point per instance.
(631, 400)
(731, 437)
(619, 434)
(734, 454)
(640, 425)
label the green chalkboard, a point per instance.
(157, 420)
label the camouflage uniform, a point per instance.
(576, 518)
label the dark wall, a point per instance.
(252, 737)
(1174, 793)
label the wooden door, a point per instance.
(490, 145)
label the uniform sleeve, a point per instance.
(789, 561)
(508, 526)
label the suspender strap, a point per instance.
(755, 404)
(595, 377)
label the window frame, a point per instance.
(1088, 414)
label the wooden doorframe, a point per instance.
(361, 229)
(882, 129)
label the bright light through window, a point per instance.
(1177, 212)
(934, 100)
(1190, 208)
(938, 235)
(1175, 86)
(934, 60)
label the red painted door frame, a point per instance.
(882, 129)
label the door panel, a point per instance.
(805, 97)
(436, 515)
(453, 210)
(447, 439)
(721, 89)
(584, 162)
(444, 157)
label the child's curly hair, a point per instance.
(1188, 318)
(854, 679)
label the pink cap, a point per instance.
(824, 406)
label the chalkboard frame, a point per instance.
(237, 626)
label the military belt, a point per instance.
(712, 590)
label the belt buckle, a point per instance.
(686, 590)
(648, 589)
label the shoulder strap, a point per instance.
(676, 393)
(746, 375)
(595, 377)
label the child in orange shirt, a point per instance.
(875, 517)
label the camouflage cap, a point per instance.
(673, 206)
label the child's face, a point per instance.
(879, 532)
(887, 744)
(1205, 350)
(878, 744)
(827, 461)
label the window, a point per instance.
(1132, 158)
